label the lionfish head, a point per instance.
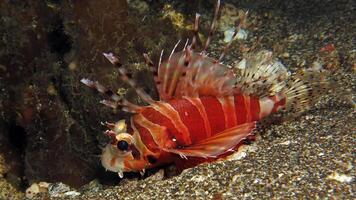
(121, 153)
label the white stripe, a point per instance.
(140, 146)
(266, 106)
(226, 102)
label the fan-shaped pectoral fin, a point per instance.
(217, 144)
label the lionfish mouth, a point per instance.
(111, 160)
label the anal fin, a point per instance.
(218, 144)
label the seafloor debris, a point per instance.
(55, 190)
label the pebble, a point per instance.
(340, 177)
(35, 189)
(285, 55)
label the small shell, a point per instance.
(241, 35)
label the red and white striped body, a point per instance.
(187, 121)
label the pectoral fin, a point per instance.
(218, 144)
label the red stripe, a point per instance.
(254, 108)
(215, 114)
(241, 112)
(146, 137)
(198, 104)
(191, 117)
(156, 117)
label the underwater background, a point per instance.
(50, 131)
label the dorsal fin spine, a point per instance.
(196, 26)
(125, 77)
(115, 101)
(176, 74)
(168, 70)
(212, 27)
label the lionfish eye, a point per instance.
(122, 145)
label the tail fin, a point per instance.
(303, 89)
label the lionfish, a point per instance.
(205, 111)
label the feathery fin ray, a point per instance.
(193, 75)
(260, 75)
(304, 89)
(115, 101)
